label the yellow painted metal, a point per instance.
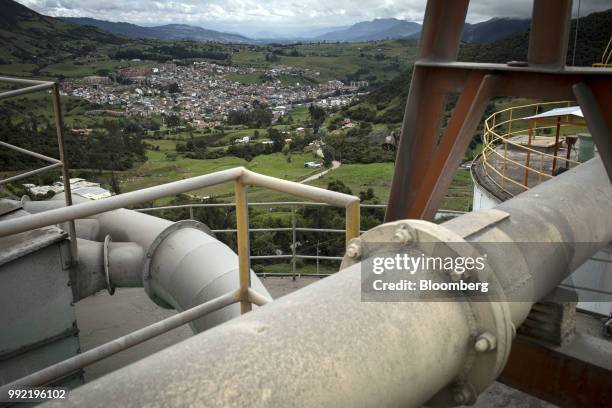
(606, 58)
(244, 260)
(505, 165)
(494, 134)
(353, 221)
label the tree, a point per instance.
(317, 117)
(173, 120)
(277, 139)
(339, 186)
(174, 88)
(115, 184)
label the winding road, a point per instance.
(335, 165)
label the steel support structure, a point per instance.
(427, 159)
(37, 86)
(579, 380)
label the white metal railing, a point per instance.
(244, 295)
(293, 228)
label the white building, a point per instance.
(78, 186)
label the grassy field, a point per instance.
(360, 177)
(159, 169)
(376, 61)
(40, 104)
(247, 79)
(380, 59)
(78, 69)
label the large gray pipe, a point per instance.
(186, 266)
(189, 266)
(323, 346)
(100, 267)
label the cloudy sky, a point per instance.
(252, 17)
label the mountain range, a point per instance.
(378, 29)
(390, 28)
(492, 30)
(163, 32)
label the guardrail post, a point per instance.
(191, 213)
(528, 156)
(542, 167)
(353, 220)
(556, 147)
(59, 126)
(510, 122)
(293, 241)
(505, 166)
(244, 252)
(317, 257)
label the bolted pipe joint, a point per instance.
(485, 342)
(353, 250)
(463, 395)
(106, 265)
(490, 320)
(403, 235)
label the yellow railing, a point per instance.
(606, 58)
(500, 153)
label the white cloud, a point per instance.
(249, 16)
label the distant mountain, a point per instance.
(317, 32)
(164, 32)
(26, 36)
(125, 29)
(378, 29)
(492, 30)
(593, 35)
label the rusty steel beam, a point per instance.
(464, 121)
(422, 168)
(549, 34)
(560, 378)
(418, 139)
(413, 183)
(596, 104)
(442, 28)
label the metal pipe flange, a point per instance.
(109, 286)
(146, 267)
(488, 315)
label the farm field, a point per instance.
(158, 169)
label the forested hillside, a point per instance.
(29, 37)
(593, 34)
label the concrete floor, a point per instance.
(102, 318)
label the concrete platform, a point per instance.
(505, 162)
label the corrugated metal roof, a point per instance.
(572, 110)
